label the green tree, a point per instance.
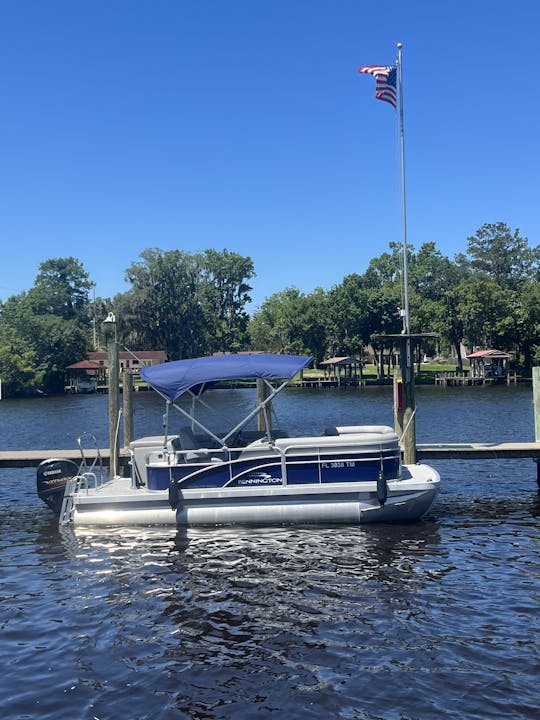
(431, 273)
(291, 322)
(61, 288)
(502, 255)
(386, 269)
(488, 313)
(315, 323)
(529, 323)
(47, 328)
(57, 343)
(166, 304)
(18, 365)
(434, 305)
(225, 293)
(349, 320)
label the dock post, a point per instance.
(127, 404)
(404, 402)
(536, 401)
(536, 407)
(109, 330)
(263, 415)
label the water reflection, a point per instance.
(229, 597)
(254, 622)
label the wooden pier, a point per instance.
(451, 379)
(32, 458)
(425, 451)
(478, 451)
(321, 382)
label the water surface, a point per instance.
(436, 619)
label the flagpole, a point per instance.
(389, 87)
(405, 410)
(405, 310)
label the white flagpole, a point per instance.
(405, 310)
(406, 415)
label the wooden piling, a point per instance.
(536, 401)
(404, 402)
(127, 404)
(114, 405)
(536, 407)
(262, 394)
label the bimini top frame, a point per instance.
(174, 379)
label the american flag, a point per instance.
(385, 88)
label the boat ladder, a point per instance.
(89, 475)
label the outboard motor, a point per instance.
(51, 480)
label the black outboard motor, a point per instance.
(52, 477)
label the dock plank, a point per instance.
(478, 451)
(32, 458)
(424, 451)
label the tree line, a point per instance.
(192, 304)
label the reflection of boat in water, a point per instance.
(198, 476)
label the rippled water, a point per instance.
(437, 619)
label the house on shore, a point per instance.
(88, 375)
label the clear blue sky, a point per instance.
(243, 124)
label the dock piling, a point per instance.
(127, 406)
(109, 329)
(536, 406)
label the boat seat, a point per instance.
(356, 429)
(188, 442)
(174, 444)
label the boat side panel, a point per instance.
(117, 504)
(301, 470)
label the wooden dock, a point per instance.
(32, 458)
(450, 379)
(478, 451)
(326, 383)
(424, 451)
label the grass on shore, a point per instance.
(428, 371)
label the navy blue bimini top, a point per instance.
(172, 379)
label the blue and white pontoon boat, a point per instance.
(197, 476)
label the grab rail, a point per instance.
(93, 472)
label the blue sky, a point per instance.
(243, 124)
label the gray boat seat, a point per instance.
(174, 444)
(188, 442)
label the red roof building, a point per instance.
(129, 361)
(489, 363)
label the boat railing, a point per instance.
(91, 474)
(380, 455)
(90, 480)
(77, 484)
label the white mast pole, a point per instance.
(405, 310)
(406, 414)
